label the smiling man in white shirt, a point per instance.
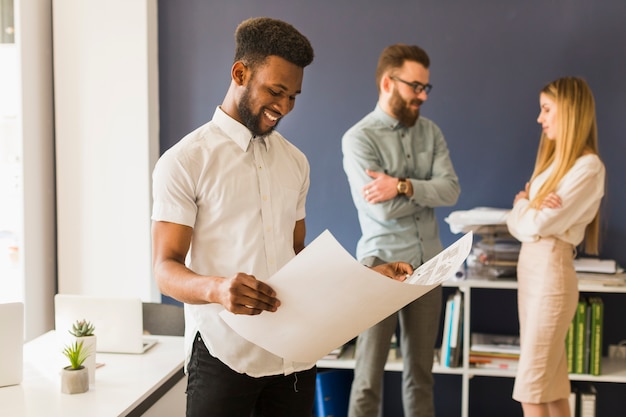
(232, 195)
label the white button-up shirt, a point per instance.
(242, 196)
(581, 191)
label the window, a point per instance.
(11, 274)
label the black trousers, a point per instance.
(215, 390)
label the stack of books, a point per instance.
(494, 351)
(584, 337)
(595, 265)
(494, 256)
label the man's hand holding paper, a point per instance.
(398, 271)
(354, 298)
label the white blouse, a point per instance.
(580, 190)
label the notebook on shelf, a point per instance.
(118, 321)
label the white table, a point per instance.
(126, 384)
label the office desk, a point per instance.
(126, 385)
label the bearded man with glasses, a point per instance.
(399, 169)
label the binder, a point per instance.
(455, 331)
(573, 400)
(588, 401)
(597, 317)
(447, 327)
(587, 347)
(569, 346)
(579, 342)
(332, 392)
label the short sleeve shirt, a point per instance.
(242, 196)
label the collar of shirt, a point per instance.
(240, 134)
(388, 120)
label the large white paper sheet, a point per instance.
(327, 298)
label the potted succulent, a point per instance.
(75, 377)
(83, 331)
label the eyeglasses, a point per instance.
(416, 86)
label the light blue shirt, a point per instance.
(403, 228)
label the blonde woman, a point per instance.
(556, 212)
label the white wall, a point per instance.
(33, 37)
(106, 114)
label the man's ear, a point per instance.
(385, 83)
(239, 72)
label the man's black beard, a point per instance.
(250, 120)
(399, 107)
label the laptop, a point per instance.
(12, 343)
(118, 321)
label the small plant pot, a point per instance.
(89, 344)
(74, 381)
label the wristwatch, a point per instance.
(402, 186)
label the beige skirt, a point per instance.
(547, 298)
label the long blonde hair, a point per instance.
(578, 135)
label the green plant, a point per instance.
(76, 354)
(82, 328)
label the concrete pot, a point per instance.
(74, 381)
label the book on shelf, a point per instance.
(587, 347)
(597, 319)
(444, 353)
(595, 265)
(584, 338)
(580, 320)
(335, 353)
(605, 280)
(573, 402)
(345, 351)
(569, 346)
(456, 330)
(499, 355)
(494, 362)
(394, 349)
(494, 351)
(587, 401)
(494, 343)
(450, 352)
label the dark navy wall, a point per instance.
(489, 60)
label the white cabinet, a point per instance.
(613, 370)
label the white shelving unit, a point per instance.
(613, 371)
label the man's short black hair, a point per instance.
(259, 37)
